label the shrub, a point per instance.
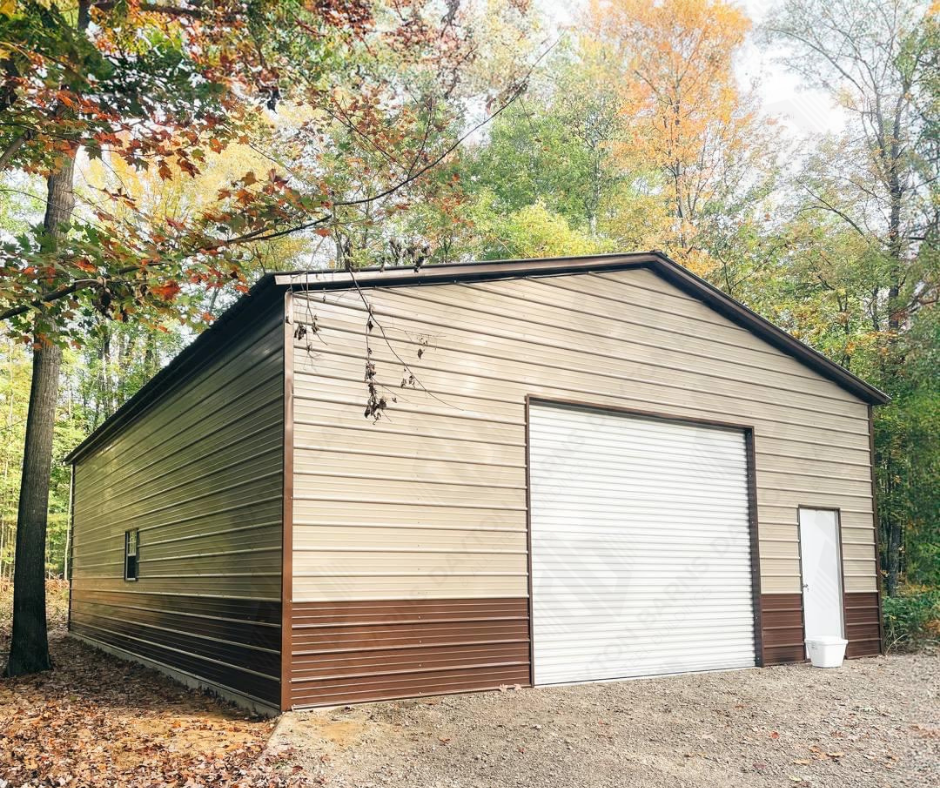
(912, 619)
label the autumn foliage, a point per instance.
(159, 88)
(686, 113)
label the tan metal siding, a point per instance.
(199, 474)
(624, 339)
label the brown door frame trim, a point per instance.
(799, 533)
(753, 530)
(287, 541)
(749, 449)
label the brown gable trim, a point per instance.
(658, 262)
(735, 311)
(463, 272)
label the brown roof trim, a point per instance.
(230, 322)
(658, 262)
(462, 272)
(746, 318)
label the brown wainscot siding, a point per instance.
(782, 625)
(862, 629)
(231, 643)
(361, 651)
(198, 472)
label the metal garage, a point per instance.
(588, 468)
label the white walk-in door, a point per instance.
(641, 557)
(822, 580)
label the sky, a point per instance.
(804, 111)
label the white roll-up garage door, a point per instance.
(640, 546)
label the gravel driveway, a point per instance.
(874, 722)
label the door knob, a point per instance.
(805, 586)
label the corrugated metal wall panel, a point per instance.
(199, 475)
(372, 650)
(862, 628)
(641, 559)
(663, 347)
(579, 368)
(501, 370)
(782, 627)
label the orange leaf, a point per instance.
(166, 292)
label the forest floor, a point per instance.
(96, 721)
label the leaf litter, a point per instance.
(98, 721)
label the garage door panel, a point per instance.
(597, 470)
(641, 550)
(688, 534)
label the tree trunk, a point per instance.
(893, 574)
(893, 359)
(29, 646)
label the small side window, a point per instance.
(130, 555)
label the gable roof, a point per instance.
(272, 286)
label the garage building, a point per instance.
(585, 469)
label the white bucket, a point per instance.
(826, 651)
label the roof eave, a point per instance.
(260, 291)
(460, 272)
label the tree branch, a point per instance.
(11, 150)
(48, 298)
(157, 8)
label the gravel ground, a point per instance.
(874, 722)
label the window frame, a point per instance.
(128, 555)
